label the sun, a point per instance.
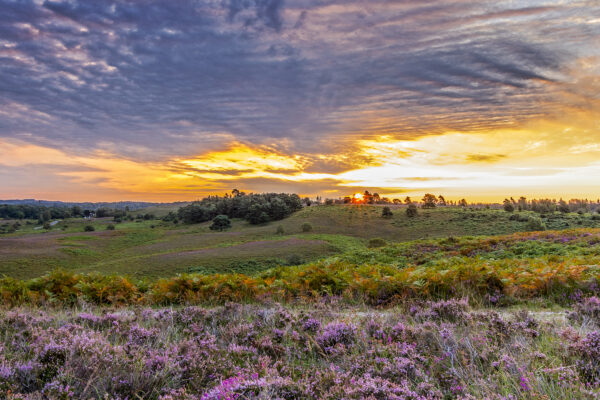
(358, 196)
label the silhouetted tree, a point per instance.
(508, 205)
(429, 200)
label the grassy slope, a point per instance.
(154, 249)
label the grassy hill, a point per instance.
(154, 248)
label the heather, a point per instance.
(328, 350)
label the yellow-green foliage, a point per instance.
(520, 266)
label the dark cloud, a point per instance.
(174, 76)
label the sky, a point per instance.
(173, 100)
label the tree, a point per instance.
(220, 223)
(429, 200)
(280, 230)
(89, 228)
(441, 201)
(563, 207)
(462, 202)
(508, 205)
(411, 211)
(386, 212)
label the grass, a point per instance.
(153, 248)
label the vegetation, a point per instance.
(220, 223)
(407, 307)
(255, 208)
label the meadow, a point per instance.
(155, 248)
(452, 304)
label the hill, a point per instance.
(150, 248)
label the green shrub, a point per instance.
(220, 223)
(376, 242)
(535, 224)
(89, 228)
(306, 227)
(110, 227)
(280, 230)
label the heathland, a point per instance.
(332, 302)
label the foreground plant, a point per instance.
(422, 350)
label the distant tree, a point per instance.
(386, 212)
(47, 225)
(429, 200)
(87, 213)
(280, 230)
(307, 202)
(508, 206)
(396, 201)
(306, 227)
(441, 201)
(328, 202)
(89, 228)
(407, 200)
(563, 207)
(76, 211)
(110, 227)
(46, 215)
(411, 211)
(220, 223)
(522, 204)
(462, 203)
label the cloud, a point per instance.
(302, 84)
(489, 158)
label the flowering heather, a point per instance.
(425, 350)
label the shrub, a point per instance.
(110, 227)
(220, 223)
(376, 242)
(336, 333)
(47, 225)
(535, 224)
(306, 227)
(280, 230)
(386, 212)
(89, 228)
(411, 211)
(294, 259)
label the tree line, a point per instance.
(546, 206)
(254, 208)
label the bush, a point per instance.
(280, 230)
(306, 227)
(89, 228)
(376, 242)
(411, 211)
(110, 227)
(47, 225)
(386, 212)
(535, 224)
(294, 259)
(220, 223)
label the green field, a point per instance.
(154, 248)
